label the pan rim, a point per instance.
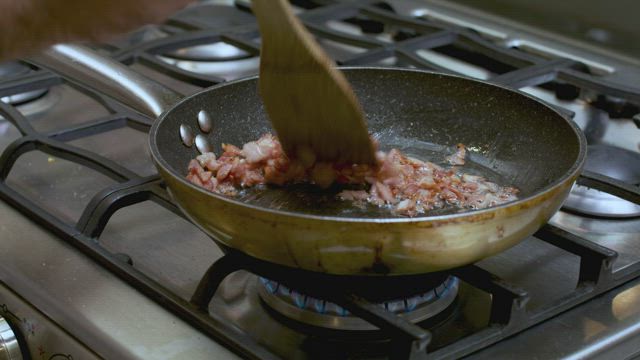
(570, 174)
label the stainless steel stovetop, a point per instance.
(95, 263)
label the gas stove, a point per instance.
(97, 261)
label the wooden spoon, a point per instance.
(310, 103)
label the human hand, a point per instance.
(29, 25)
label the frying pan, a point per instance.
(512, 139)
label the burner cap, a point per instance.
(211, 17)
(209, 53)
(14, 68)
(325, 314)
(219, 59)
(617, 163)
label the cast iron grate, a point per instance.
(518, 69)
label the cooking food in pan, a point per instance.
(511, 139)
(405, 185)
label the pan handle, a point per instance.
(82, 65)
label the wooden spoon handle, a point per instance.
(309, 102)
(292, 45)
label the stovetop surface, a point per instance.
(609, 26)
(170, 251)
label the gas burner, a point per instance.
(228, 70)
(219, 59)
(212, 14)
(11, 69)
(210, 53)
(210, 17)
(617, 163)
(325, 314)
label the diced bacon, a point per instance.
(253, 153)
(252, 178)
(469, 187)
(410, 188)
(391, 166)
(223, 172)
(424, 196)
(413, 186)
(205, 158)
(205, 176)
(260, 150)
(457, 158)
(213, 165)
(449, 196)
(384, 192)
(194, 167)
(427, 182)
(211, 184)
(230, 150)
(458, 193)
(239, 167)
(374, 198)
(193, 178)
(393, 181)
(416, 163)
(269, 143)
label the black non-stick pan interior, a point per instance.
(511, 138)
